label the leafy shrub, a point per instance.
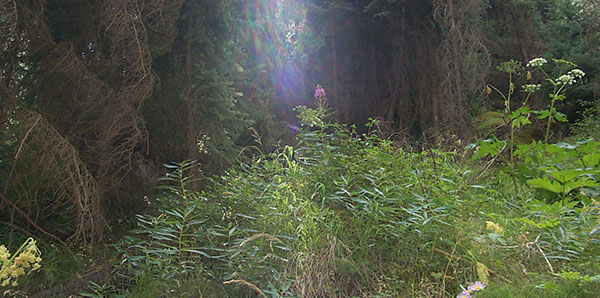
(347, 214)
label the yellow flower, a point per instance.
(4, 254)
(493, 227)
(27, 256)
(24, 259)
(16, 271)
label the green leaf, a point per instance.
(564, 175)
(204, 254)
(171, 166)
(547, 286)
(520, 111)
(136, 258)
(543, 114)
(551, 223)
(489, 147)
(546, 184)
(592, 159)
(174, 213)
(561, 117)
(497, 238)
(560, 97)
(245, 216)
(570, 275)
(520, 121)
(565, 146)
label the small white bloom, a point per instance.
(565, 79)
(576, 73)
(530, 88)
(536, 62)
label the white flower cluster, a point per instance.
(530, 88)
(576, 73)
(571, 77)
(536, 62)
(565, 79)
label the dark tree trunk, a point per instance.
(460, 98)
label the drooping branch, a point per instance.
(84, 124)
(159, 18)
(43, 148)
(8, 16)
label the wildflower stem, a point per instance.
(552, 112)
(499, 92)
(448, 265)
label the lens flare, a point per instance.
(280, 41)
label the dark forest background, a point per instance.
(96, 95)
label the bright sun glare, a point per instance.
(279, 33)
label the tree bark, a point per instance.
(190, 108)
(460, 98)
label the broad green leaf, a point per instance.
(547, 286)
(561, 117)
(545, 183)
(564, 175)
(543, 114)
(520, 121)
(489, 147)
(520, 111)
(591, 159)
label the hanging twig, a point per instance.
(26, 135)
(541, 251)
(486, 167)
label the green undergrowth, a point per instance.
(352, 215)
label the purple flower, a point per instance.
(476, 286)
(319, 92)
(293, 128)
(464, 294)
